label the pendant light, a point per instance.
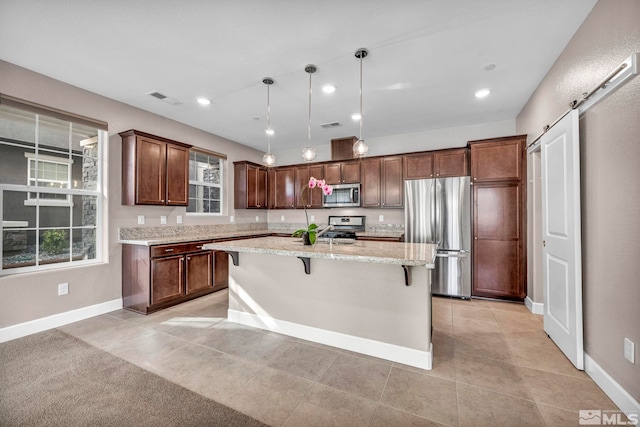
(360, 148)
(309, 153)
(268, 159)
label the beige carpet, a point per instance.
(54, 379)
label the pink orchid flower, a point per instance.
(327, 190)
(313, 182)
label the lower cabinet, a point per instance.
(156, 277)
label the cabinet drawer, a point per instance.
(182, 248)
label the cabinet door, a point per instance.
(501, 160)
(498, 245)
(167, 279)
(301, 180)
(177, 175)
(284, 193)
(392, 186)
(333, 173)
(256, 187)
(418, 166)
(221, 270)
(350, 172)
(342, 148)
(316, 171)
(150, 171)
(199, 271)
(451, 163)
(371, 174)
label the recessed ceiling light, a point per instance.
(269, 131)
(203, 101)
(355, 116)
(328, 88)
(482, 93)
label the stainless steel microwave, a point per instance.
(344, 195)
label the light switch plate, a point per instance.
(629, 350)
(381, 218)
(281, 217)
(313, 218)
(140, 219)
(257, 218)
(232, 218)
(179, 219)
(163, 219)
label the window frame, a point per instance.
(222, 161)
(97, 194)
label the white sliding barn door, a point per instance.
(561, 234)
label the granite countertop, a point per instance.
(149, 241)
(413, 254)
(389, 234)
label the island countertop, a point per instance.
(409, 254)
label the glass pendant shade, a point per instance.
(309, 154)
(269, 159)
(360, 148)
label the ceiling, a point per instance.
(426, 59)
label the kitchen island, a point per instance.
(364, 296)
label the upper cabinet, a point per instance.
(250, 189)
(155, 170)
(497, 159)
(382, 182)
(342, 172)
(342, 148)
(304, 197)
(436, 164)
(282, 188)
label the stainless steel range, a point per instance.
(343, 227)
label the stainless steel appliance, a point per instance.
(344, 227)
(439, 211)
(344, 195)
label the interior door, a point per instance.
(561, 252)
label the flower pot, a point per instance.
(305, 238)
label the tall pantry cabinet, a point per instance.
(498, 174)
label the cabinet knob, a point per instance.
(475, 238)
(475, 179)
(188, 258)
(168, 250)
(437, 174)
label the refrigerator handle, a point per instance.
(438, 213)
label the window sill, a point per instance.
(44, 202)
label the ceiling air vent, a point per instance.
(164, 98)
(331, 125)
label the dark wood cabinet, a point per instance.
(452, 162)
(392, 191)
(499, 218)
(250, 186)
(156, 277)
(382, 182)
(282, 188)
(304, 197)
(418, 165)
(342, 172)
(342, 148)
(370, 188)
(497, 160)
(436, 164)
(155, 170)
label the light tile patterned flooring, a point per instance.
(493, 365)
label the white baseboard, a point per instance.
(395, 353)
(34, 326)
(619, 395)
(534, 307)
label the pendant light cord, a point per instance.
(361, 97)
(268, 120)
(309, 127)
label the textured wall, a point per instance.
(610, 179)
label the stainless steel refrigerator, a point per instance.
(438, 211)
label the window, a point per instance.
(205, 182)
(50, 192)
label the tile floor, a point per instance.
(493, 365)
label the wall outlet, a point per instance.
(281, 217)
(63, 288)
(140, 219)
(313, 218)
(179, 219)
(257, 218)
(232, 218)
(381, 218)
(163, 219)
(629, 350)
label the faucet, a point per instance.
(324, 230)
